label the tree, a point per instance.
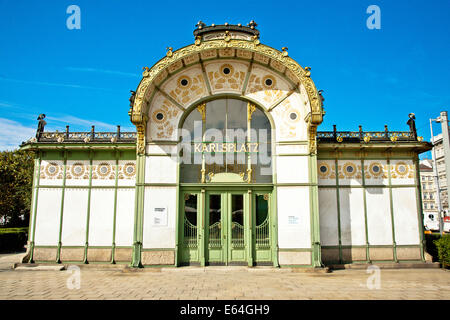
(16, 178)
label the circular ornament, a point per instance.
(129, 169)
(52, 169)
(159, 116)
(401, 168)
(227, 70)
(184, 82)
(103, 169)
(349, 169)
(77, 169)
(269, 82)
(376, 169)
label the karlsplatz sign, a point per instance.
(224, 147)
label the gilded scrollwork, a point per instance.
(293, 67)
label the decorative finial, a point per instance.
(308, 71)
(285, 53)
(200, 25)
(239, 24)
(41, 126)
(226, 24)
(213, 25)
(198, 40)
(169, 51)
(146, 72)
(256, 40)
(252, 24)
(227, 36)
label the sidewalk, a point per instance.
(225, 283)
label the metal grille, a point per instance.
(262, 235)
(214, 236)
(190, 234)
(237, 235)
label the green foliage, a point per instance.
(13, 239)
(430, 245)
(443, 248)
(16, 178)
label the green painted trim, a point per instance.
(139, 211)
(366, 227)
(274, 212)
(116, 183)
(316, 259)
(36, 179)
(158, 155)
(293, 155)
(391, 203)
(177, 216)
(78, 146)
(88, 208)
(338, 208)
(294, 142)
(201, 231)
(249, 230)
(394, 186)
(296, 250)
(156, 184)
(418, 193)
(58, 254)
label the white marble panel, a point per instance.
(103, 172)
(77, 173)
(74, 217)
(159, 236)
(101, 217)
(292, 169)
(125, 217)
(406, 224)
(294, 225)
(351, 202)
(160, 169)
(48, 216)
(379, 223)
(51, 173)
(292, 148)
(328, 217)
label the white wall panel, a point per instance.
(292, 169)
(328, 217)
(47, 218)
(160, 169)
(350, 172)
(402, 172)
(379, 216)
(376, 171)
(159, 236)
(101, 217)
(326, 172)
(125, 217)
(298, 234)
(74, 217)
(351, 202)
(405, 216)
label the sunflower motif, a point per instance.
(401, 168)
(324, 170)
(227, 70)
(104, 169)
(77, 169)
(129, 169)
(349, 169)
(269, 82)
(52, 169)
(376, 169)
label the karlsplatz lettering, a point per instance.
(193, 310)
(227, 147)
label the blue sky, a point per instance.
(83, 77)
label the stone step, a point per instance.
(387, 265)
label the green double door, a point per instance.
(225, 228)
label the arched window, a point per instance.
(226, 138)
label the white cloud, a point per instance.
(114, 72)
(85, 125)
(13, 133)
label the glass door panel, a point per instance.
(262, 242)
(189, 233)
(214, 229)
(237, 228)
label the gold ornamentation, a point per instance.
(250, 109)
(140, 128)
(373, 170)
(169, 51)
(420, 139)
(52, 169)
(308, 72)
(77, 169)
(312, 139)
(103, 169)
(198, 40)
(366, 139)
(394, 138)
(298, 72)
(339, 139)
(202, 109)
(272, 82)
(349, 169)
(129, 169)
(266, 196)
(401, 168)
(285, 53)
(227, 36)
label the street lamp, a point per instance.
(436, 176)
